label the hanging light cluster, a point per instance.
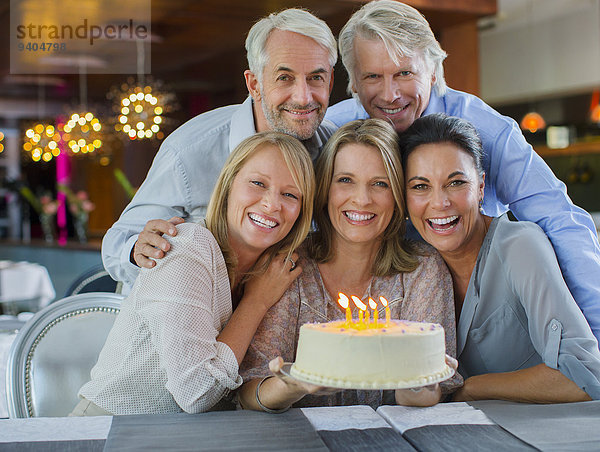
(141, 110)
(42, 142)
(140, 114)
(82, 133)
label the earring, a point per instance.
(481, 205)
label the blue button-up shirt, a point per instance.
(518, 179)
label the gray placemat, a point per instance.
(561, 426)
(356, 440)
(214, 431)
(92, 445)
(467, 438)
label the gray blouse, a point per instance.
(518, 311)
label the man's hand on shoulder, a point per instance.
(151, 244)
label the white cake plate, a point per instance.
(342, 384)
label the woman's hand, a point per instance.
(266, 289)
(296, 386)
(426, 395)
(277, 393)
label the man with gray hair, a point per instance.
(291, 56)
(394, 64)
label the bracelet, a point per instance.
(264, 408)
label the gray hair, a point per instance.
(295, 20)
(403, 30)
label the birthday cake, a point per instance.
(401, 354)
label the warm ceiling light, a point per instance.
(139, 109)
(84, 132)
(533, 122)
(595, 106)
(42, 141)
(595, 114)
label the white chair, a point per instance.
(54, 351)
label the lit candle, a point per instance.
(362, 308)
(373, 305)
(387, 310)
(344, 302)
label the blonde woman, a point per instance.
(358, 248)
(182, 332)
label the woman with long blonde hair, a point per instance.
(180, 335)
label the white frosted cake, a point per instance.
(403, 354)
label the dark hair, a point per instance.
(441, 128)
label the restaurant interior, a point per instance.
(517, 55)
(76, 140)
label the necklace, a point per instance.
(327, 295)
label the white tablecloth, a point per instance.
(25, 281)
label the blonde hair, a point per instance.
(395, 255)
(300, 165)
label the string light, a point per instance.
(82, 133)
(141, 109)
(42, 142)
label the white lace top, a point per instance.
(161, 355)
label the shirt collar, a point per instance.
(242, 124)
(242, 127)
(435, 105)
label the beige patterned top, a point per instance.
(422, 295)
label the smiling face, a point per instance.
(263, 204)
(361, 203)
(396, 93)
(443, 190)
(295, 88)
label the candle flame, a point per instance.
(384, 302)
(359, 304)
(372, 304)
(343, 300)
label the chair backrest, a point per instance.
(53, 354)
(95, 279)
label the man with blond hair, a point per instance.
(394, 64)
(291, 56)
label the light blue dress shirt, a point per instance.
(518, 311)
(181, 179)
(518, 179)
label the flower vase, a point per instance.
(47, 223)
(81, 222)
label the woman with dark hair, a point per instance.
(181, 333)
(520, 334)
(358, 249)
